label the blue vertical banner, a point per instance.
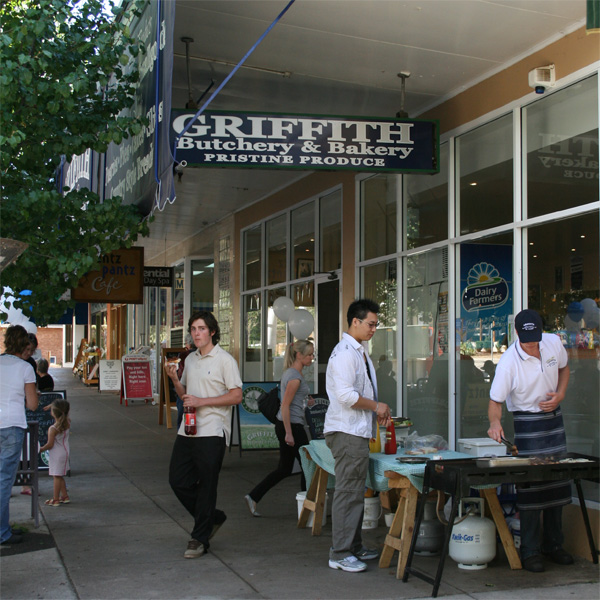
(486, 281)
(140, 168)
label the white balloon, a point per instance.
(301, 324)
(283, 308)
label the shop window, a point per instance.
(561, 144)
(484, 304)
(252, 337)
(426, 201)
(303, 241)
(484, 192)
(276, 232)
(276, 338)
(330, 227)
(378, 216)
(202, 288)
(379, 283)
(426, 342)
(252, 258)
(563, 286)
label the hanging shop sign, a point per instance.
(120, 279)
(158, 276)
(272, 141)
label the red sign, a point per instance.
(137, 380)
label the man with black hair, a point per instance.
(350, 423)
(211, 384)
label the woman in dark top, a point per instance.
(290, 419)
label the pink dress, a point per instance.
(58, 455)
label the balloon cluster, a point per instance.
(300, 321)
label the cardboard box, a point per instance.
(481, 447)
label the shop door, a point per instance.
(328, 327)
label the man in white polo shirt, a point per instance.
(211, 384)
(349, 424)
(532, 377)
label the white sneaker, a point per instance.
(195, 549)
(251, 506)
(350, 564)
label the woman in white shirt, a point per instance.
(17, 391)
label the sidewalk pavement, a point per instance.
(124, 533)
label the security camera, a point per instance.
(542, 78)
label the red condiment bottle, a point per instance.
(390, 440)
(189, 415)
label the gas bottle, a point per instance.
(473, 540)
(431, 532)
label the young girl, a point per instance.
(58, 451)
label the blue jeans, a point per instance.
(11, 445)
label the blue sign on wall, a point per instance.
(273, 141)
(486, 288)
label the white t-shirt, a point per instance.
(523, 381)
(210, 376)
(14, 374)
(346, 380)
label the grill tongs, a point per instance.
(510, 446)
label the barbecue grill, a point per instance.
(456, 477)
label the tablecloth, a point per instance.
(378, 464)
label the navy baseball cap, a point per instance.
(529, 326)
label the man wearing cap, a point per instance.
(532, 377)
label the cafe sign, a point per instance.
(274, 141)
(119, 279)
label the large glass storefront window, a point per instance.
(252, 258)
(484, 303)
(313, 232)
(379, 283)
(378, 233)
(426, 343)
(563, 286)
(276, 338)
(202, 288)
(484, 193)
(426, 202)
(303, 241)
(252, 337)
(276, 250)
(330, 227)
(561, 149)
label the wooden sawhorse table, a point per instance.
(315, 499)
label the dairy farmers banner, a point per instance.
(271, 141)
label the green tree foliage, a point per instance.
(65, 79)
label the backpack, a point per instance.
(268, 404)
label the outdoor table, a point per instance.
(385, 473)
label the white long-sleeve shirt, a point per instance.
(346, 380)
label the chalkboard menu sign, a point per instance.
(44, 418)
(315, 417)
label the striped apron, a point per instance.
(541, 434)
